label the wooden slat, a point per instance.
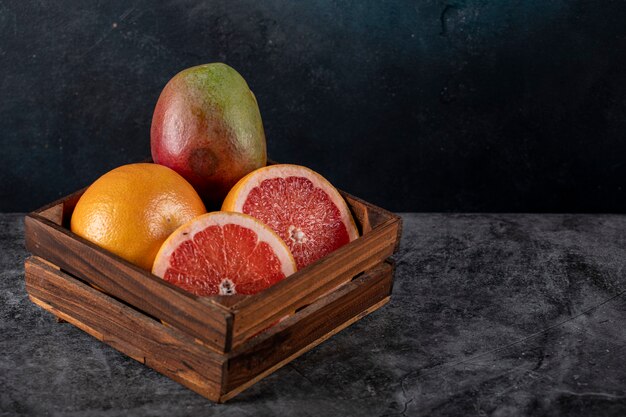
(360, 212)
(65, 205)
(162, 348)
(53, 213)
(117, 277)
(269, 371)
(176, 355)
(311, 326)
(256, 312)
(371, 216)
(224, 301)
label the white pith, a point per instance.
(227, 287)
(296, 235)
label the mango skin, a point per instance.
(207, 127)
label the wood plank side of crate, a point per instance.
(256, 312)
(227, 396)
(60, 211)
(369, 216)
(216, 376)
(144, 339)
(209, 323)
(266, 353)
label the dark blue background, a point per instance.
(417, 106)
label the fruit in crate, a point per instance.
(132, 209)
(224, 253)
(300, 205)
(207, 127)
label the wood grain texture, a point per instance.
(115, 276)
(277, 366)
(308, 327)
(60, 211)
(216, 376)
(369, 216)
(256, 312)
(144, 339)
(53, 213)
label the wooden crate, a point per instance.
(219, 345)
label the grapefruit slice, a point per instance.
(223, 253)
(300, 205)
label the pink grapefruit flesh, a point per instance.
(223, 253)
(302, 207)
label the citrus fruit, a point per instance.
(300, 205)
(132, 209)
(223, 253)
(207, 127)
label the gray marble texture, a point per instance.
(499, 315)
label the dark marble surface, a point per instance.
(500, 315)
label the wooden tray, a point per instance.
(216, 346)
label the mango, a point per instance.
(207, 127)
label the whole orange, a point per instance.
(131, 210)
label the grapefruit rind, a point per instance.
(237, 196)
(220, 218)
(132, 209)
